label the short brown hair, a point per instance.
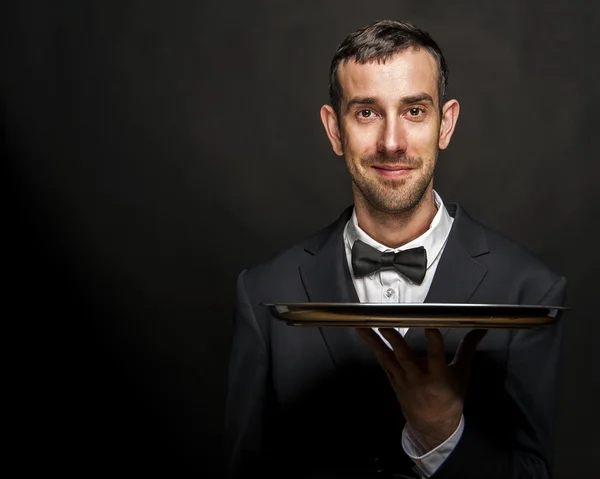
(380, 41)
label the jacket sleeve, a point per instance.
(247, 389)
(531, 386)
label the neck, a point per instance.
(396, 229)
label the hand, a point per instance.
(431, 392)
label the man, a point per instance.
(333, 402)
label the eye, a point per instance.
(366, 113)
(415, 111)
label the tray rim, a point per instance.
(418, 305)
(441, 315)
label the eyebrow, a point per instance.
(407, 100)
(417, 98)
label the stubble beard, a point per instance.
(392, 196)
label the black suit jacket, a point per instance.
(313, 402)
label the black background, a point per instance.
(155, 149)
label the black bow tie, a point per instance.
(412, 263)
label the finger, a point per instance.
(466, 350)
(395, 384)
(436, 357)
(385, 356)
(404, 355)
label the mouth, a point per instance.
(392, 171)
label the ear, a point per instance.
(330, 122)
(450, 112)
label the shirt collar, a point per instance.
(433, 240)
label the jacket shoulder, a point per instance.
(517, 256)
(510, 263)
(278, 277)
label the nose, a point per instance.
(393, 137)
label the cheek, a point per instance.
(423, 140)
(360, 143)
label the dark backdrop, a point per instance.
(155, 149)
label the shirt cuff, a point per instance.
(429, 462)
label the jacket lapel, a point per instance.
(459, 273)
(327, 279)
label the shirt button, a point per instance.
(389, 293)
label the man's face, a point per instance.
(390, 128)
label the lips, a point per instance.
(392, 171)
(392, 167)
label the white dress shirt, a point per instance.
(389, 286)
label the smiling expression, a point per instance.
(390, 129)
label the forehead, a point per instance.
(406, 73)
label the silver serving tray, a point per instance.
(410, 315)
